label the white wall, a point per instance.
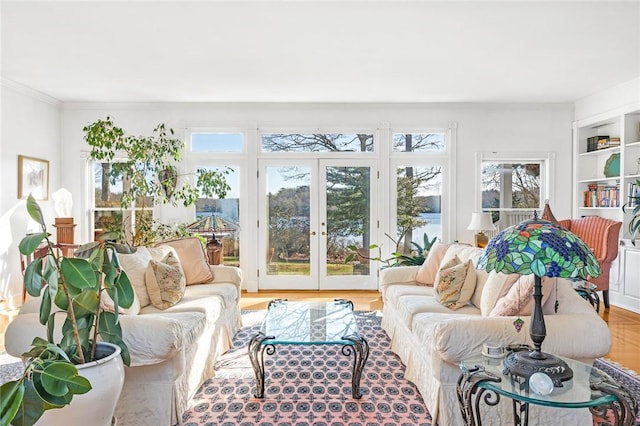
(495, 127)
(31, 127)
(623, 97)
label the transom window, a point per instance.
(317, 142)
(419, 142)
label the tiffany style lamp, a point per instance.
(541, 248)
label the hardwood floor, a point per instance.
(624, 325)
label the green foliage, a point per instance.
(634, 222)
(417, 256)
(74, 286)
(150, 168)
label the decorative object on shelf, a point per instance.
(634, 202)
(33, 178)
(541, 248)
(612, 166)
(481, 222)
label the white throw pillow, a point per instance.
(135, 265)
(455, 285)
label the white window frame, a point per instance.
(547, 170)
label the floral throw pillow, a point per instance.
(456, 283)
(165, 281)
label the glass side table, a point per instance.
(589, 388)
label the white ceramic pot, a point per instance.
(97, 406)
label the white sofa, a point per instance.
(173, 351)
(432, 340)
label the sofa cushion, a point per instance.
(427, 272)
(135, 265)
(410, 305)
(519, 298)
(497, 286)
(395, 292)
(192, 258)
(165, 281)
(456, 282)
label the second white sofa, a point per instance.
(432, 339)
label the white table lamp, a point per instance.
(481, 222)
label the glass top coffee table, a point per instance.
(313, 323)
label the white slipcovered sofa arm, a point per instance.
(154, 338)
(227, 274)
(398, 275)
(570, 335)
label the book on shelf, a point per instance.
(602, 196)
(592, 142)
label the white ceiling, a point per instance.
(320, 51)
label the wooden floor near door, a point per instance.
(624, 325)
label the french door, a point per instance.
(310, 212)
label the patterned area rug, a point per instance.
(310, 385)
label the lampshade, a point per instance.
(541, 248)
(481, 222)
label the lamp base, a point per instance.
(481, 239)
(525, 363)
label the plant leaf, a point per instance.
(32, 407)
(45, 307)
(31, 242)
(33, 277)
(78, 273)
(86, 303)
(11, 394)
(33, 208)
(59, 377)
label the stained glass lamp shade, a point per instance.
(541, 248)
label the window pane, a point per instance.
(419, 209)
(106, 221)
(216, 142)
(317, 142)
(510, 185)
(107, 194)
(221, 217)
(418, 142)
(288, 215)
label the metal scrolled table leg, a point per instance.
(256, 355)
(467, 387)
(360, 352)
(624, 410)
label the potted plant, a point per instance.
(91, 338)
(415, 258)
(149, 164)
(634, 221)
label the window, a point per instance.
(418, 142)
(419, 188)
(216, 142)
(221, 217)
(108, 214)
(317, 142)
(512, 187)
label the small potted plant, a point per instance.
(70, 290)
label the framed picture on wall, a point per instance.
(33, 177)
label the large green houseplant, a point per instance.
(149, 164)
(72, 286)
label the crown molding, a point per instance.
(28, 91)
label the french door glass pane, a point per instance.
(419, 213)
(348, 217)
(288, 217)
(317, 142)
(221, 217)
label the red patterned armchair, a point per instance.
(602, 236)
